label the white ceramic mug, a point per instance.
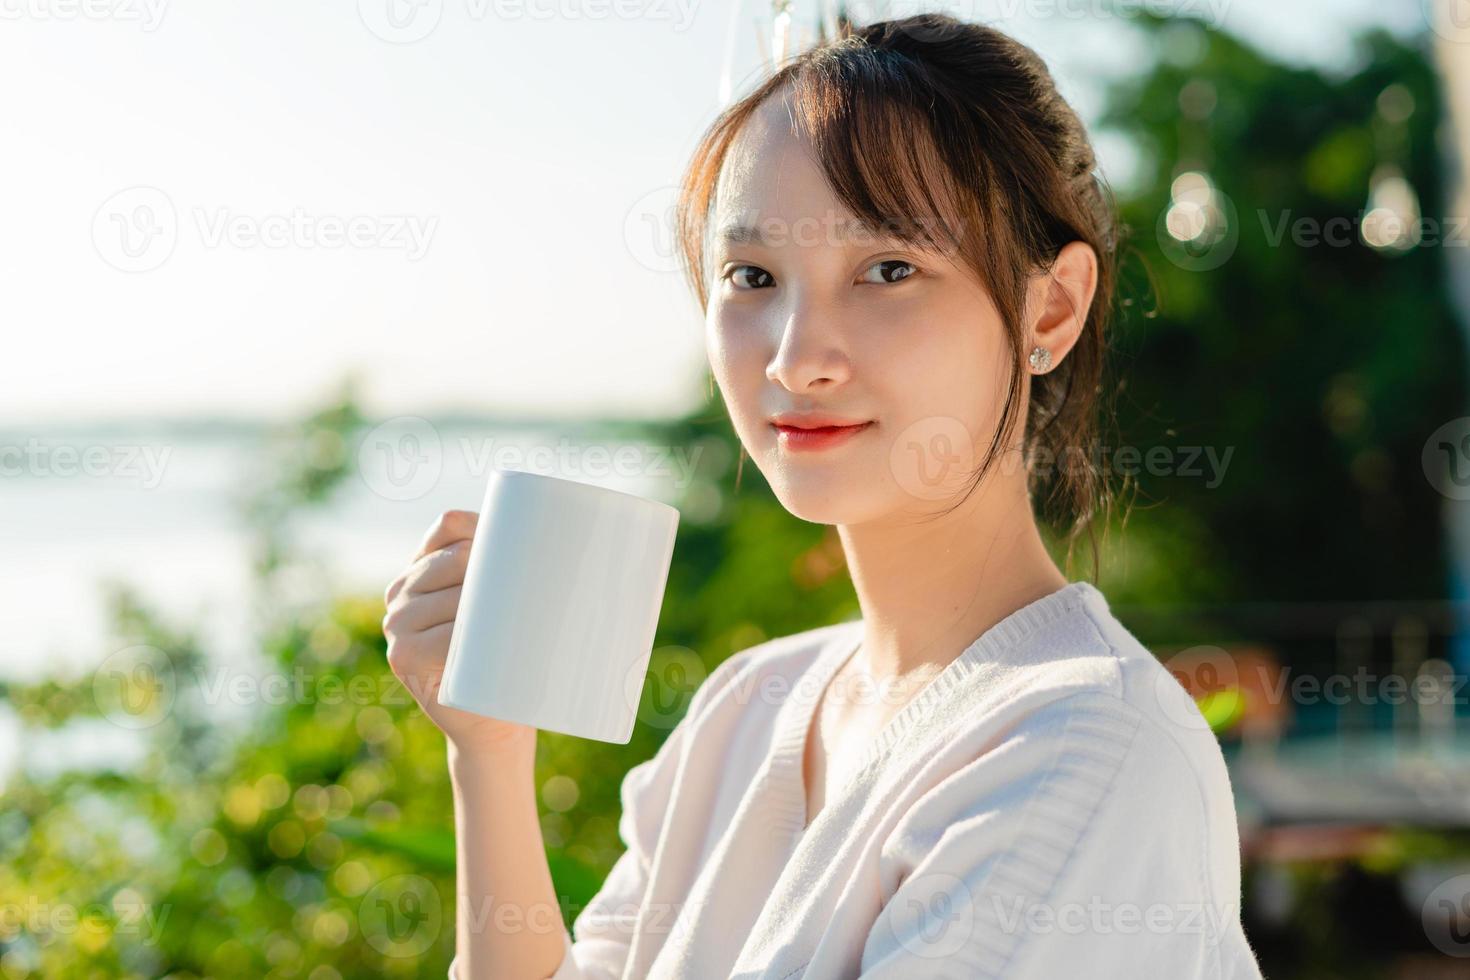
(560, 602)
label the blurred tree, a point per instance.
(1321, 365)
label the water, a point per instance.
(164, 518)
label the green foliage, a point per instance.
(1324, 366)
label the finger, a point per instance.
(436, 570)
(414, 667)
(440, 569)
(451, 526)
(424, 612)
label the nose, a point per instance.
(810, 354)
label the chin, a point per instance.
(828, 495)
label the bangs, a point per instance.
(895, 148)
(879, 152)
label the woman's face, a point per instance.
(812, 316)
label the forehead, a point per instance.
(771, 170)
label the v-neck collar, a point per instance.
(787, 781)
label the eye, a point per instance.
(889, 271)
(749, 277)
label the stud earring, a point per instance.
(1040, 360)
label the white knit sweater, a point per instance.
(1052, 804)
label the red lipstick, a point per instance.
(811, 432)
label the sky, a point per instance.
(219, 208)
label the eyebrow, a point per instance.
(740, 234)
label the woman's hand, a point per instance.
(422, 603)
(500, 854)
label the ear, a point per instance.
(1057, 301)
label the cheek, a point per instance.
(734, 348)
(737, 363)
(946, 361)
(926, 347)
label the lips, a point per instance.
(814, 420)
(808, 437)
(819, 428)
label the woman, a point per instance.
(907, 265)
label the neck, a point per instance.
(929, 585)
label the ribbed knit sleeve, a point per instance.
(1077, 846)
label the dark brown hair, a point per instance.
(932, 116)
